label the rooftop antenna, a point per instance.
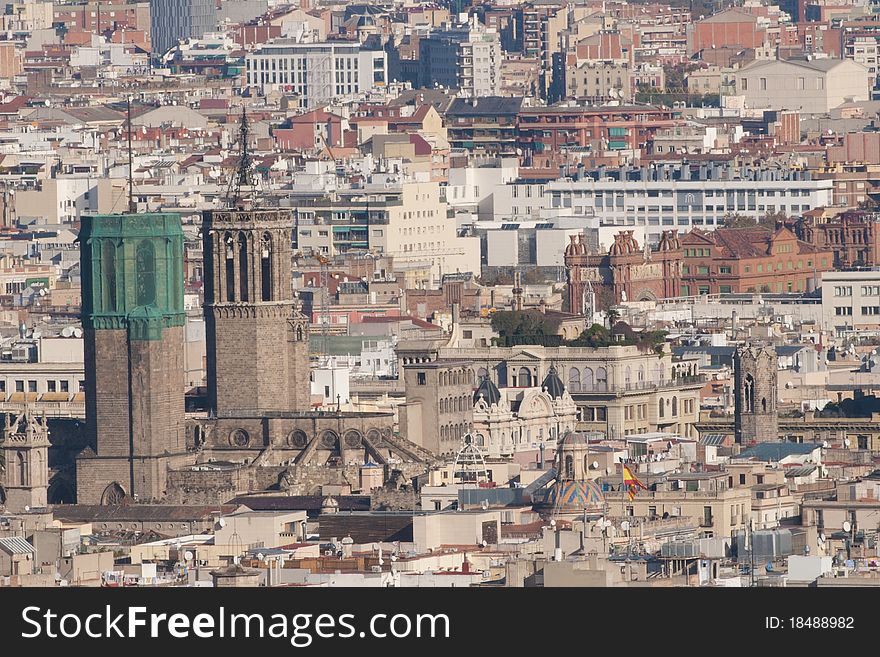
(131, 206)
(243, 179)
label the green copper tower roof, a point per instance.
(132, 273)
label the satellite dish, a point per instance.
(483, 543)
(188, 555)
(552, 523)
(625, 525)
(821, 538)
(824, 443)
(27, 509)
(595, 464)
(261, 556)
(846, 525)
(67, 331)
(847, 442)
(222, 522)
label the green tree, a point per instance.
(594, 336)
(612, 315)
(769, 220)
(526, 326)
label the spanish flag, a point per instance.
(631, 483)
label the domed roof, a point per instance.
(575, 497)
(553, 384)
(574, 438)
(488, 391)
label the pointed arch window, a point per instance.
(229, 249)
(749, 394)
(266, 267)
(21, 467)
(108, 258)
(243, 281)
(145, 270)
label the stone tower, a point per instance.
(133, 321)
(755, 372)
(25, 447)
(257, 340)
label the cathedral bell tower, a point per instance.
(755, 373)
(133, 325)
(257, 340)
(24, 482)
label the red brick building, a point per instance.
(626, 273)
(733, 27)
(853, 237)
(732, 260)
(543, 131)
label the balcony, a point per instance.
(707, 522)
(676, 383)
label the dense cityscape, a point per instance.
(548, 293)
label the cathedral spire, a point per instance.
(242, 182)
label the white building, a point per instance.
(655, 199)
(331, 382)
(812, 86)
(851, 301)
(317, 72)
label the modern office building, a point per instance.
(317, 72)
(683, 196)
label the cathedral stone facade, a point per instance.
(259, 428)
(755, 414)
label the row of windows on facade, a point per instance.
(747, 269)
(455, 431)
(847, 290)
(818, 84)
(519, 437)
(51, 385)
(868, 311)
(742, 194)
(787, 286)
(684, 209)
(455, 404)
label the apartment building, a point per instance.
(851, 301)
(465, 57)
(408, 221)
(600, 81)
